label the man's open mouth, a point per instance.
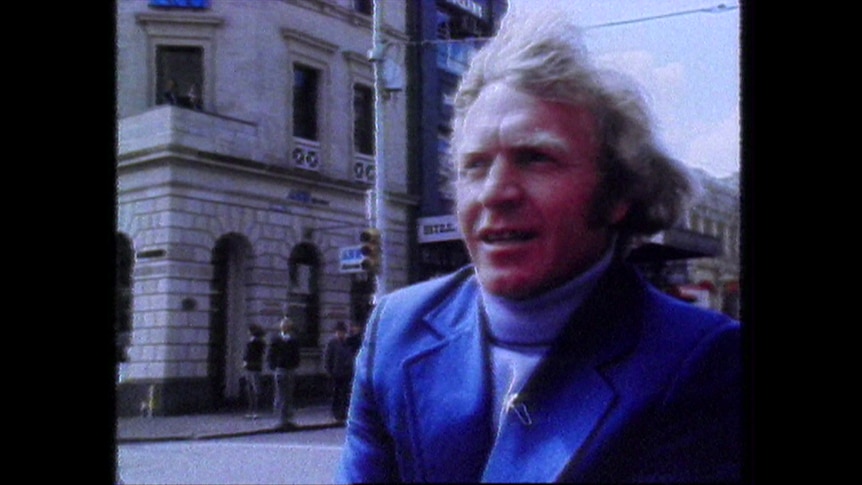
(501, 237)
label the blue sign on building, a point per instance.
(350, 259)
(198, 4)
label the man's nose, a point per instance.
(502, 184)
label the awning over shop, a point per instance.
(652, 252)
(675, 244)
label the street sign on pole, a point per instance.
(350, 259)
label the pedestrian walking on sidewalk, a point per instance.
(283, 359)
(338, 361)
(252, 362)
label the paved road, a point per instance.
(307, 457)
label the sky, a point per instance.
(687, 63)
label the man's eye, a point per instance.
(474, 165)
(532, 156)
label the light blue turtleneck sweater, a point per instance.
(521, 331)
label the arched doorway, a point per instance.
(303, 296)
(231, 259)
(123, 296)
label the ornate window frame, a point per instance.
(318, 54)
(181, 30)
(360, 72)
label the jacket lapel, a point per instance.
(537, 450)
(567, 397)
(447, 392)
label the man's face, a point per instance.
(527, 177)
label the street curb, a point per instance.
(229, 434)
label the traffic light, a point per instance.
(371, 250)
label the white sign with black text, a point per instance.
(438, 228)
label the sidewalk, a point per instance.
(210, 426)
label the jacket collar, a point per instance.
(565, 398)
(457, 309)
(601, 329)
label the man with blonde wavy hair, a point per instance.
(549, 358)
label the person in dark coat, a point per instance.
(283, 358)
(252, 362)
(338, 360)
(354, 337)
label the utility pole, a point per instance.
(377, 197)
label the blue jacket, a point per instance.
(639, 387)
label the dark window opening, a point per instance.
(179, 76)
(452, 24)
(363, 123)
(364, 6)
(443, 30)
(305, 94)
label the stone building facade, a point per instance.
(236, 199)
(699, 259)
(717, 214)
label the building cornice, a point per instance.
(335, 11)
(176, 154)
(305, 38)
(146, 19)
(346, 15)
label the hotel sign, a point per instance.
(438, 228)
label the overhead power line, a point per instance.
(720, 8)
